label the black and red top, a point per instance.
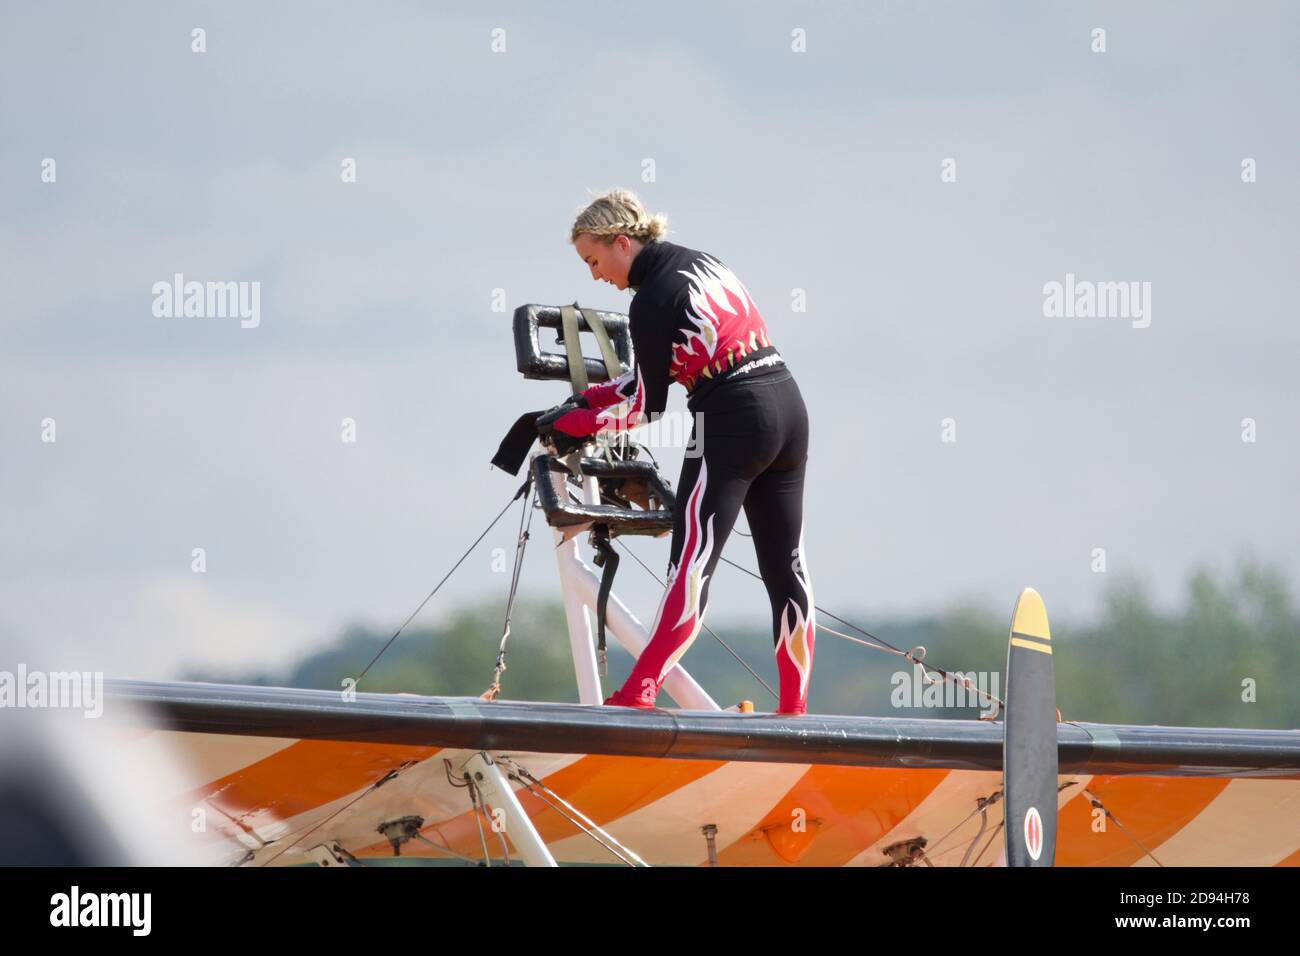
(691, 320)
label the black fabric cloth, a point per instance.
(519, 441)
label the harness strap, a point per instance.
(597, 328)
(573, 347)
(607, 559)
(577, 365)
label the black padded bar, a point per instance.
(536, 364)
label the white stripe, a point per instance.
(736, 797)
(945, 807)
(421, 790)
(1250, 823)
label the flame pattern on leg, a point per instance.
(794, 647)
(679, 618)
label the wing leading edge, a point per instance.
(469, 723)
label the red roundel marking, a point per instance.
(1034, 833)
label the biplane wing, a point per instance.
(287, 776)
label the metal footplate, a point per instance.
(623, 485)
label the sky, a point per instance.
(896, 185)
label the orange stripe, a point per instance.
(1151, 809)
(304, 776)
(603, 788)
(1292, 860)
(855, 807)
(846, 810)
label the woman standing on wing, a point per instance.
(692, 321)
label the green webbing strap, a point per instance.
(612, 365)
(573, 347)
(577, 366)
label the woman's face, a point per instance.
(609, 263)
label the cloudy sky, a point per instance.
(812, 148)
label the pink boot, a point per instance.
(617, 699)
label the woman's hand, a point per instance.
(546, 421)
(558, 434)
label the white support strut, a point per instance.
(580, 585)
(498, 794)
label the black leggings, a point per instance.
(750, 449)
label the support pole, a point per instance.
(580, 585)
(496, 791)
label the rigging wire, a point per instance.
(473, 799)
(984, 804)
(916, 655)
(577, 826)
(521, 543)
(707, 628)
(981, 803)
(522, 488)
(1096, 802)
(478, 818)
(417, 835)
(505, 850)
(992, 836)
(521, 774)
(363, 794)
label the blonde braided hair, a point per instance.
(618, 213)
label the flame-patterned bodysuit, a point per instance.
(692, 321)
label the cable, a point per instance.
(1096, 802)
(521, 543)
(417, 835)
(981, 804)
(524, 487)
(883, 645)
(984, 822)
(992, 836)
(478, 818)
(521, 774)
(916, 655)
(364, 793)
(707, 628)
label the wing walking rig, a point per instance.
(288, 776)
